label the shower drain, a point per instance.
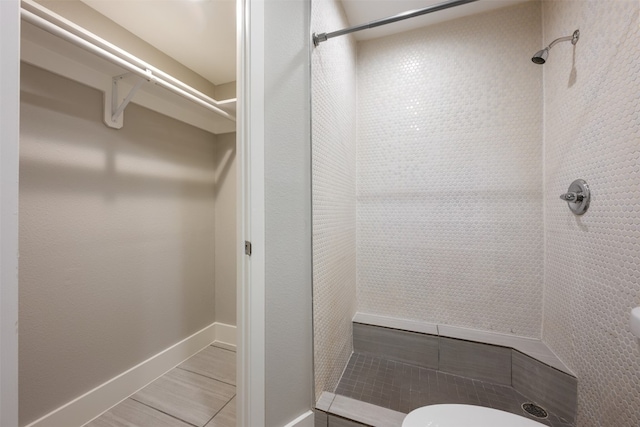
(535, 410)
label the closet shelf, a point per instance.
(60, 46)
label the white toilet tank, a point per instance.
(464, 416)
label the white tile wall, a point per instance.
(449, 160)
(334, 193)
(592, 131)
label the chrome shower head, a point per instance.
(541, 56)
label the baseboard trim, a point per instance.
(95, 402)
(304, 420)
(225, 335)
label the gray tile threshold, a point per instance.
(325, 401)
(361, 412)
(380, 392)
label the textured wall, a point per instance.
(449, 161)
(226, 238)
(116, 239)
(287, 169)
(592, 275)
(334, 195)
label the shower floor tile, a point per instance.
(403, 387)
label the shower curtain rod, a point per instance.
(91, 43)
(323, 37)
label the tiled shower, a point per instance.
(438, 158)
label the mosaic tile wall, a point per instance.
(334, 195)
(449, 160)
(592, 131)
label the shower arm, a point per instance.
(573, 38)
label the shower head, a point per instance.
(541, 56)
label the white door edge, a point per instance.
(251, 215)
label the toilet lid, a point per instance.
(464, 416)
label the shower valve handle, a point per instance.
(578, 196)
(572, 197)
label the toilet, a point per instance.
(452, 415)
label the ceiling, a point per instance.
(201, 34)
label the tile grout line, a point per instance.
(163, 412)
(206, 376)
(199, 374)
(220, 410)
(222, 348)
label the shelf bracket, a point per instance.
(114, 109)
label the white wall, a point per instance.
(592, 131)
(9, 147)
(116, 239)
(288, 322)
(334, 195)
(449, 164)
(225, 220)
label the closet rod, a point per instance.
(323, 37)
(148, 73)
(65, 24)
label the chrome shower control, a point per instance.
(572, 197)
(578, 196)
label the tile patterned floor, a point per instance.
(198, 393)
(403, 387)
